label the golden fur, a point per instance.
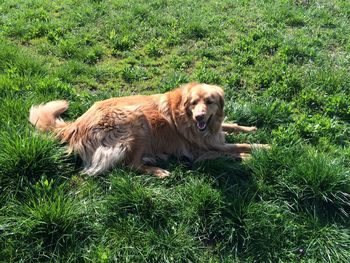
(138, 130)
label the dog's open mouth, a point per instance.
(202, 125)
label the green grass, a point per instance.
(284, 66)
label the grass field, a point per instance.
(284, 66)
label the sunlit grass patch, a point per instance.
(25, 157)
(50, 223)
(309, 181)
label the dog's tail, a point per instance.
(45, 117)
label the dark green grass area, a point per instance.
(284, 66)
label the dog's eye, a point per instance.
(194, 102)
(208, 101)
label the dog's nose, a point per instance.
(200, 117)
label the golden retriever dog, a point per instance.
(137, 130)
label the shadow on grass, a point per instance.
(238, 188)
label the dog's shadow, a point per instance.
(233, 179)
(230, 177)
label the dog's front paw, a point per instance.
(252, 128)
(261, 146)
(245, 156)
(161, 173)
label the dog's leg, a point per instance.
(136, 163)
(234, 127)
(238, 151)
(159, 172)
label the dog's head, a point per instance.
(204, 106)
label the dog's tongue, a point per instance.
(201, 125)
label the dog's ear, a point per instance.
(216, 123)
(221, 100)
(185, 95)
